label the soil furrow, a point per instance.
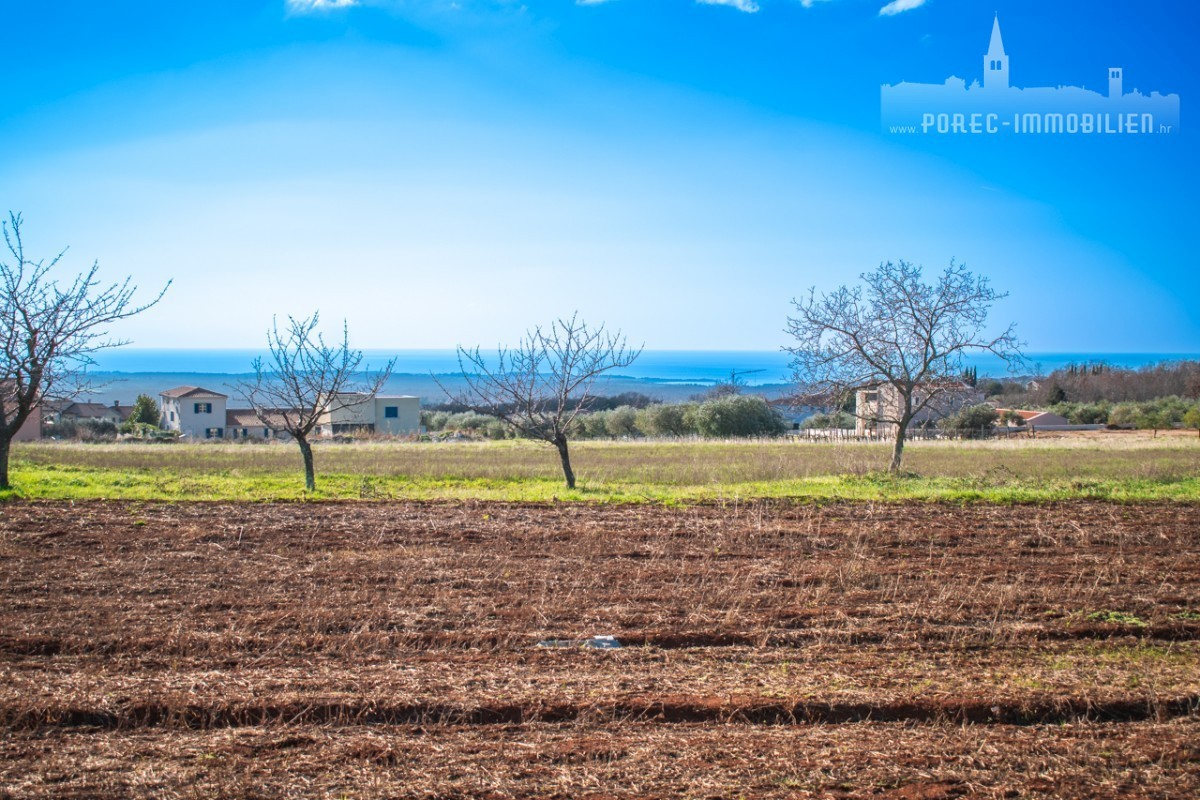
(682, 710)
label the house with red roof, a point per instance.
(1031, 419)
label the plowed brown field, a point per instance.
(770, 650)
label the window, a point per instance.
(172, 416)
(203, 408)
(391, 412)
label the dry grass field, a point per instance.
(1120, 466)
(771, 650)
(1112, 455)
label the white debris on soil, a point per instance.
(594, 642)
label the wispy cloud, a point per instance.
(591, 2)
(749, 6)
(310, 6)
(899, 7)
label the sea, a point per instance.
(121, 374)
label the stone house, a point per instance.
(878, 408)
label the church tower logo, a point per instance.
(996, 107)
(995, 61)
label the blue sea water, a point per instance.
(754, 367)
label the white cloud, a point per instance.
(900, 6)
(749, 6)
(811, 3)
(310, 6)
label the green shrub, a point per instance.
(663, 420)
(498, 429)
(145, 412)
(141, 430)
(621, 422)
(971, 420)
(991, 388)
(735, 415)
(838, 419)
(593, 425)
(434, 420)
(1084, 413)
(1012, 417)
(468, 421)
(1191, 419)
(88, 430)
(1160, 414)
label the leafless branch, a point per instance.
(303, 378)
(542, 384)
(50, 331)
(897, 334)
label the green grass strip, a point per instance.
(56, 482)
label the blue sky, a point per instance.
(452, 172)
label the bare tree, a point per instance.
(303, 379)
(49, 331)
(540, 386)
(896, 331)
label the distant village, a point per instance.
(196, 413)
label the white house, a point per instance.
(194, 412)
(350, 412)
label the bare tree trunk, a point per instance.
(898, 447)
(897, 450)
(560, 442)
(310, 477)
(5, 441)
